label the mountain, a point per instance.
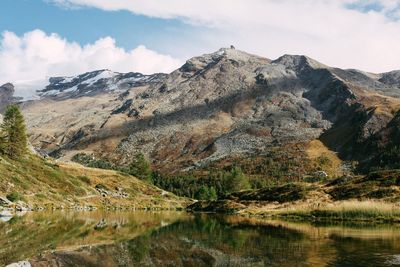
(96, 82)
(7, 96)
(219, 109)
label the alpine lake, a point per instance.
(100, 238)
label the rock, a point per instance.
(20, 264)
(7, 96)
(22, 206)
(6, 213)
(5, 202)
(101, 224)
(320, 174)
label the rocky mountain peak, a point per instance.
(298, 62)
(391, 78)
(7, 96)
(96, 82)
(216, 106)
(7, 88)
(237, 58)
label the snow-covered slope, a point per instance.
(95, 82)
(90, 83)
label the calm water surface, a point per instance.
(180, 239)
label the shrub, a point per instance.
(101, 186)
(91, 161)
(14, 196)
(84, 179)
(285, 193)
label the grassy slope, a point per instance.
(44, 183)
(372, 197)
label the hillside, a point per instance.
(374, 197)
(35, 183)
(289, 117)
(215, 107)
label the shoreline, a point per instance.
(344, 211)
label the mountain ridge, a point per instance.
(216, 106)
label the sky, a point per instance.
(44, 38)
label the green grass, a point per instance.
(43, 183)
(14, 196)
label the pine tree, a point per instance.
(236, 180)
(212, 193)
(13, 133)
(202, 193)
(140, 167)
(2, 142)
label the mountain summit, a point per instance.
(215, 108)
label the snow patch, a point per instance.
(106, 74)
(28, 89)
(70, 90)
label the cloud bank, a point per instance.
(360, 34)
(36, 55)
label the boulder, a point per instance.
(20, 264)
(5, 213)
(22, 206)
(4, 202)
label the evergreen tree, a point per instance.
(206, 193)
(202, 193)
(2, 142)
(13, 133)
(236, 180)
(140, 167)
(212, 193)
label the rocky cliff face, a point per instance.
(7, 96)
(216, 106)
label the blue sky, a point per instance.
(43, 38)
(86, 25)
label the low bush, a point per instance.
(14, 196)
(85, 179)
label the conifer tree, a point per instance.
(140, 167)
(13, 133)
(236, 180)
(2, 142)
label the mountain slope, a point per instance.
(45, 184)
(219, 107)
(93, 83)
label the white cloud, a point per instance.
(327, 30)
(36, 55)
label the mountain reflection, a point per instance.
(180, 239)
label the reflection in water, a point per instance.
(179, 239)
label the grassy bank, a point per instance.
(367, 210)
(46, 184)
(374, 197)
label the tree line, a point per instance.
(13, 137)
(217, 184)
